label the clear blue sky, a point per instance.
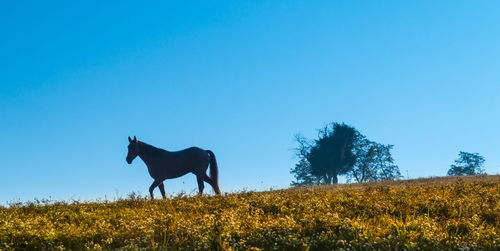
(239, 78)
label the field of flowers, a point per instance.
(435, 213)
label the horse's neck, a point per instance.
(146, 158)
(147, 155)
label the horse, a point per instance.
(163, 164)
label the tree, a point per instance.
(332, 155)
(467, 164)
(302, 173)
(373, 162)
(364, 169)
(386, 169)
(342, 150)
(327, 157)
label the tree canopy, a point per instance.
(373, 162)
(467, 164)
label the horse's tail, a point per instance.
(214, 172)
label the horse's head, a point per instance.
(133, 149)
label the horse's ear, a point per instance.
(129, 139)
(135, 139)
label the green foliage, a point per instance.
(428, 214)
(467, 164)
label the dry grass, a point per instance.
(434, 213)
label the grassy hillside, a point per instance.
(454, 212)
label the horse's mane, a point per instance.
(151, 149)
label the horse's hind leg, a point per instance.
(211, 182)
(200, 184)
(208, 180)
(162, 190)
(152, 187)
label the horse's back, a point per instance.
(199, 153)
(193, 155)
(190, 151)
(191, 159)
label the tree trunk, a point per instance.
(328, 179)
(335, 179)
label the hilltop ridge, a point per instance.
(429, 213)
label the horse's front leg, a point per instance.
(152, 187)
(162, 190)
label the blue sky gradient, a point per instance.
(239, 78)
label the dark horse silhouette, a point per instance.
(164, 165)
